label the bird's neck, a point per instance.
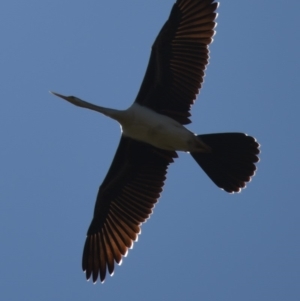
(117, 115)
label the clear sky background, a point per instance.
(200, 243)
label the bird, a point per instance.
(153, 131)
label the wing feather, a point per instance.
(125, 200)
(135, 179)
(178, 59)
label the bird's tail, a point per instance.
(230, 162)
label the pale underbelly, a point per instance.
(145, 125)
(162, 136)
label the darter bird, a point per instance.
(153, 131)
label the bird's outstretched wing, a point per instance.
(136, 177)
(125, 200)
(178, 59)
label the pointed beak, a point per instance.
(74, 100)
(61, 96)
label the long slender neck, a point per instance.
(112, 113)
(122, 116)
(119, 115)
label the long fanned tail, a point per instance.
(231, 162)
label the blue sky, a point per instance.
(200, 243)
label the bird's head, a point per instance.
(84, 104)
(72, 99)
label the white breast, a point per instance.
(158, 130)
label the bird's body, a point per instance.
(158, 130)
(143, 124)
(153, 131)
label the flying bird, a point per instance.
(152, 133)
